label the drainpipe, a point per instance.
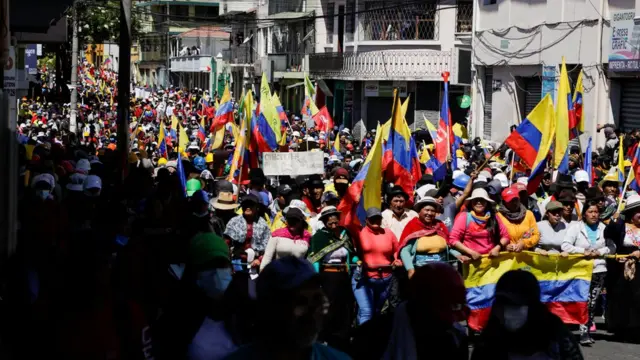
(475, 129)
(599, 79)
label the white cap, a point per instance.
(92, 182)
(504, 182)
(295, 133)
(523, 180)
(83, 166)
(47, 178)
(479, 179)
(76, 182)
(421, 191)
(581, 176)
(457, 173)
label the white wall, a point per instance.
(516, 38)
(236, 5)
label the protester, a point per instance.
(552, 230)
(396, 217)
(248, 233)
(586, 237)
(520, 326)
(292, 240)
(520, 222)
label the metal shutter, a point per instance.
(630, 105)
(488, 101)
(533, 94)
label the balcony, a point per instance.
(410, 65)
(289, 66)
(192, 63)
(240, 55)
(381, 21)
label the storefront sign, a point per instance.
(549, 81)
(625, 35)
(402, 88)
(370, 88)
(31, 59)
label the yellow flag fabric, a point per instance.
(218, 138)
(543, 118)
(387, 126)
(268, 108)
(562, 119)
(372, 191)
(184, 139)
(577, 102)
(248, 115)
(309, 96)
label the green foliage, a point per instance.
(99, 21)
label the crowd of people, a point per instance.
(264, 267)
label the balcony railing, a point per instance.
(383, 65)
(294, 62)
(464, 17)
(383, 22)
(238, 55)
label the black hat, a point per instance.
(295, 213)
(564, 181)
(248, 199)
(284, 189)
(594, 194)
(315, 181)
(397, 190)
(256, 174)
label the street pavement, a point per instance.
(608, 348)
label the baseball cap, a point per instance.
(283, 274)
(92, 182)
(509, 194)
(373, 212)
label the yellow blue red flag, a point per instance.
(564, 117)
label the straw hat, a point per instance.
(480, 193)
(224, 201)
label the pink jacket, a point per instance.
(466, 231)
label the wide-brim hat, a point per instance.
(564, 181)
(612, 176)
(328, 211)
(594, 194)
(632, 205)
(427, 200)
(480, 194)
(224, 201)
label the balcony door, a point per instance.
(340, 28)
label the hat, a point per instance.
(315, 181)
(284, 189)
(92, 182)
(553, 205)
(256, 174)
(341, 176)
(633, 203)
(520, 187)
(328, 196)
(612, 176)
(76, 182)
(328, 211)
(84, 166)
(373, 212)
(486, 173)
(480, 194)
(510, 193)
(295, 133)
(206, 247)
(249, 199)
(162, 162)
(224, 201)
(504, 181)
(523, 180)
(494, 187)
(193, 185)
(581, 176)
(397, 190)
(284, 274)
(594, 194)
(300, 205)
(200, 196)
(567, 197)
(44, 178)
(427, 200)
(172, 164)
(224, 186)
(422, 190)
(564, 181)
(295, 213)
(518, 287)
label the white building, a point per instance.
(518, 47)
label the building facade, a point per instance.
(518, 47)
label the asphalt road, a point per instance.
(608, 348)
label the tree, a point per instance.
(99, 21)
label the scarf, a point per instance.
(513, 217)
(416, 229)
(480, 220)
(286, 233)
(325, 241)
(237, 231)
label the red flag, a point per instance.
(323, 120)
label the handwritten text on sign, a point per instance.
(293, 163)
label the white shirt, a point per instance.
(391, 222)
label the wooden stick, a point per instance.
(486, 161)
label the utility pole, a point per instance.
(73, 124)
(124, 86)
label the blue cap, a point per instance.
(461, 181)
(284, 274)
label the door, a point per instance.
(488, 103)
(340, 28)
(533, 94)
(630, 104)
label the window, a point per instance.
(464, 17)
(207, 11)
(330, 21)
(180, 11)
(398, 20)
(351, 20)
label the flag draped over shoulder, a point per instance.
(365, 190)
(564, 117)
(400, 162)
(564, 284)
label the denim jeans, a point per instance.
(370, 295)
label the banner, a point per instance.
(293, 163)
(564, 284)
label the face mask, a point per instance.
(92, 195)
(214, 282)
(202, 214)
(515, 317)
(43, 194)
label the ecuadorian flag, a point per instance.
(564, 284)
(534, 134)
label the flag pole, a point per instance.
(513, 160)
(486, 161)
(624, 190)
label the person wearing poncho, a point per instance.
(424, 239)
